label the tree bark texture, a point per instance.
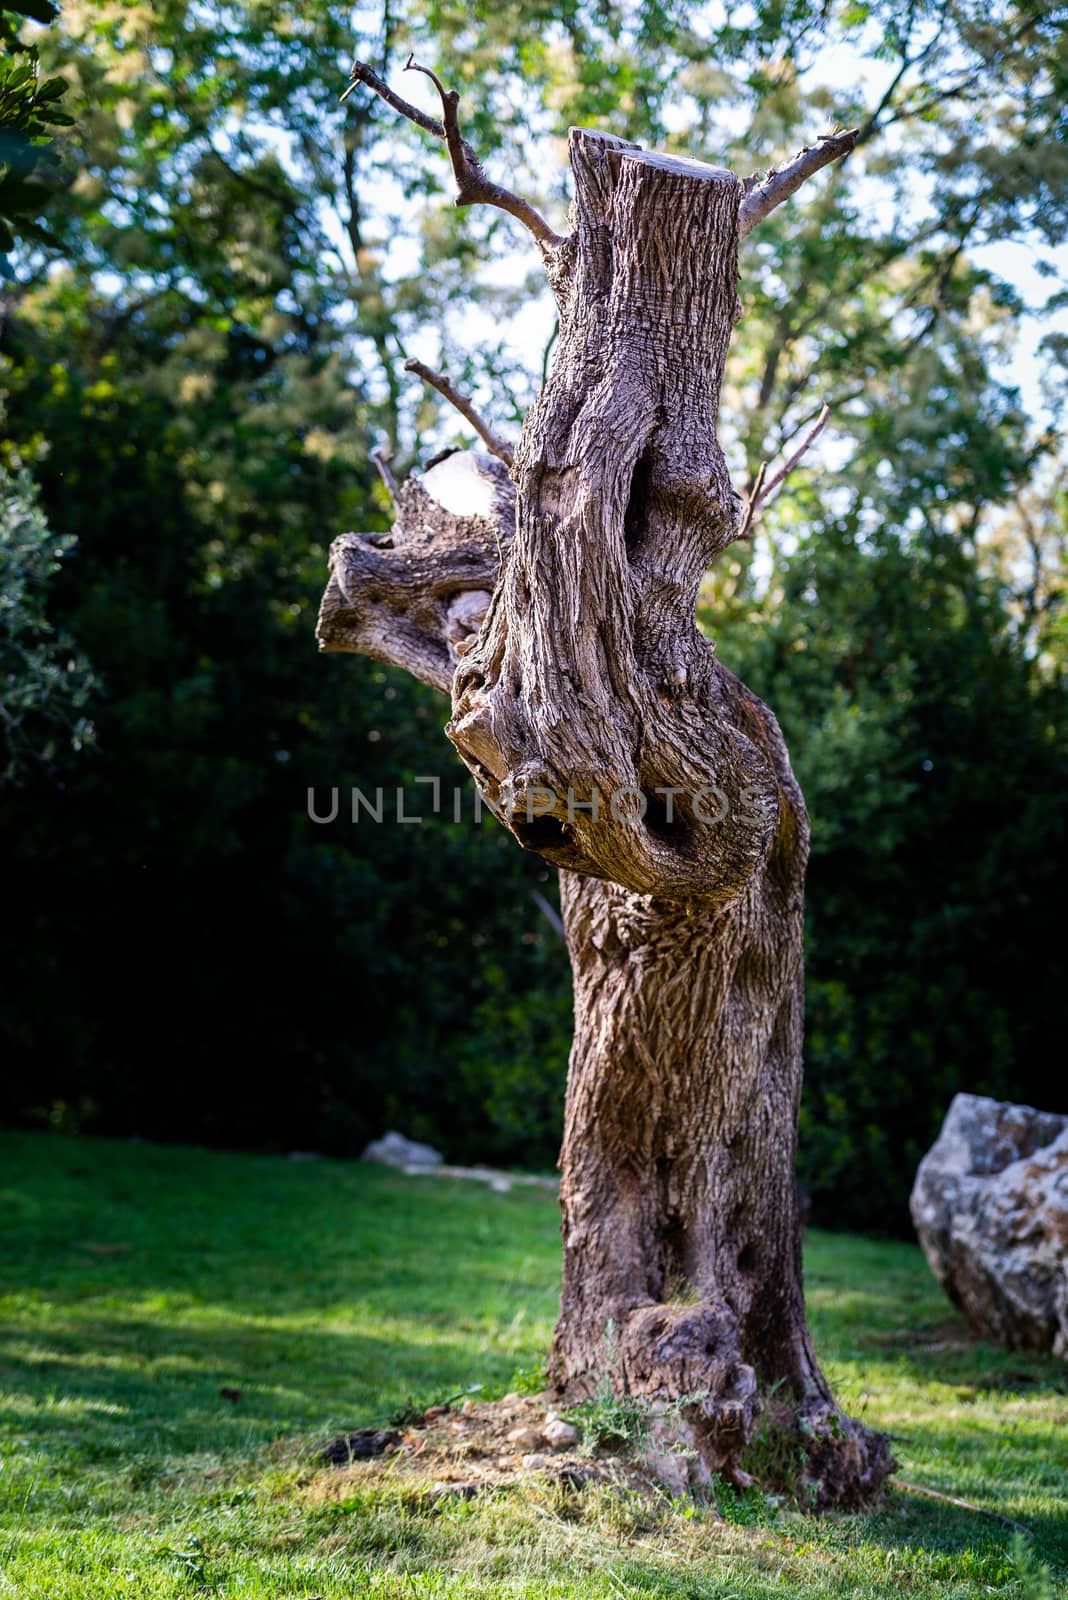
(558, 608)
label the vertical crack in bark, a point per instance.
(635, 518)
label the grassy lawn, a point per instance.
(136, 1282)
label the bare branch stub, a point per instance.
(473, 187)
(774, 483)
(759, 200)
(752, 502)
(415, 597)
(381, 459)
(447, 389)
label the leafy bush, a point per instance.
(29, 111)
(45, 681)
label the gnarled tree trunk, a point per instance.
(606, 736)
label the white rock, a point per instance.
(560, 1434)
(394, 1150)
(990, 1204)
(533, 1463)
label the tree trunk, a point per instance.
(606, 736)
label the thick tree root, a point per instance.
(703, 1415)
(846, 1463)
(703, 1399)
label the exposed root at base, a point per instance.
(819, 1457)
(705, 1416)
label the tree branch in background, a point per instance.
(381, 459)
(760, 200)
(445, 387)
(549, 912)
(753, 501)
(472, 185)
(773, 484)
(765, 489)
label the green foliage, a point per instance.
(29, 112)
(607, 1421)
(202, 460)
(1034, 1577)
(925, 741)
(525, 1380)
(139, 1280)
(512, 1060)
(46, 685)
(199, 359)
(775, 1457)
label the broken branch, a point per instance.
(446, 388)
(761, 199)
(472, 185)
(765, 488)
(964, 1505)
(752, 502)
(381, 459)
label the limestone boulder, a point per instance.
(990, 1205)
(394, 1150)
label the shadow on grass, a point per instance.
(141, 1282)
(104, 1390)
(1030, 1488)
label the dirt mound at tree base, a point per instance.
(468, 1449)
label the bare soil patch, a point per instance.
(477, 1446)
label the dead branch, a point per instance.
(381, 459)
(760, 199)
(963, 1505)
(752, 502)
(473, 187)
(446, 388)
(765, 489)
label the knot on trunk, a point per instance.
(686, 1359)
(416, 596)
(672, 799)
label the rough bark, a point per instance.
(607, 737)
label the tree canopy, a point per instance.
(204, 341)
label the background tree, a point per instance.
(45, 681)
(196, 369)
(29, 113)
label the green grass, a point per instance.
(136, 1282)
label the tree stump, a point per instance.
(606, 736)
